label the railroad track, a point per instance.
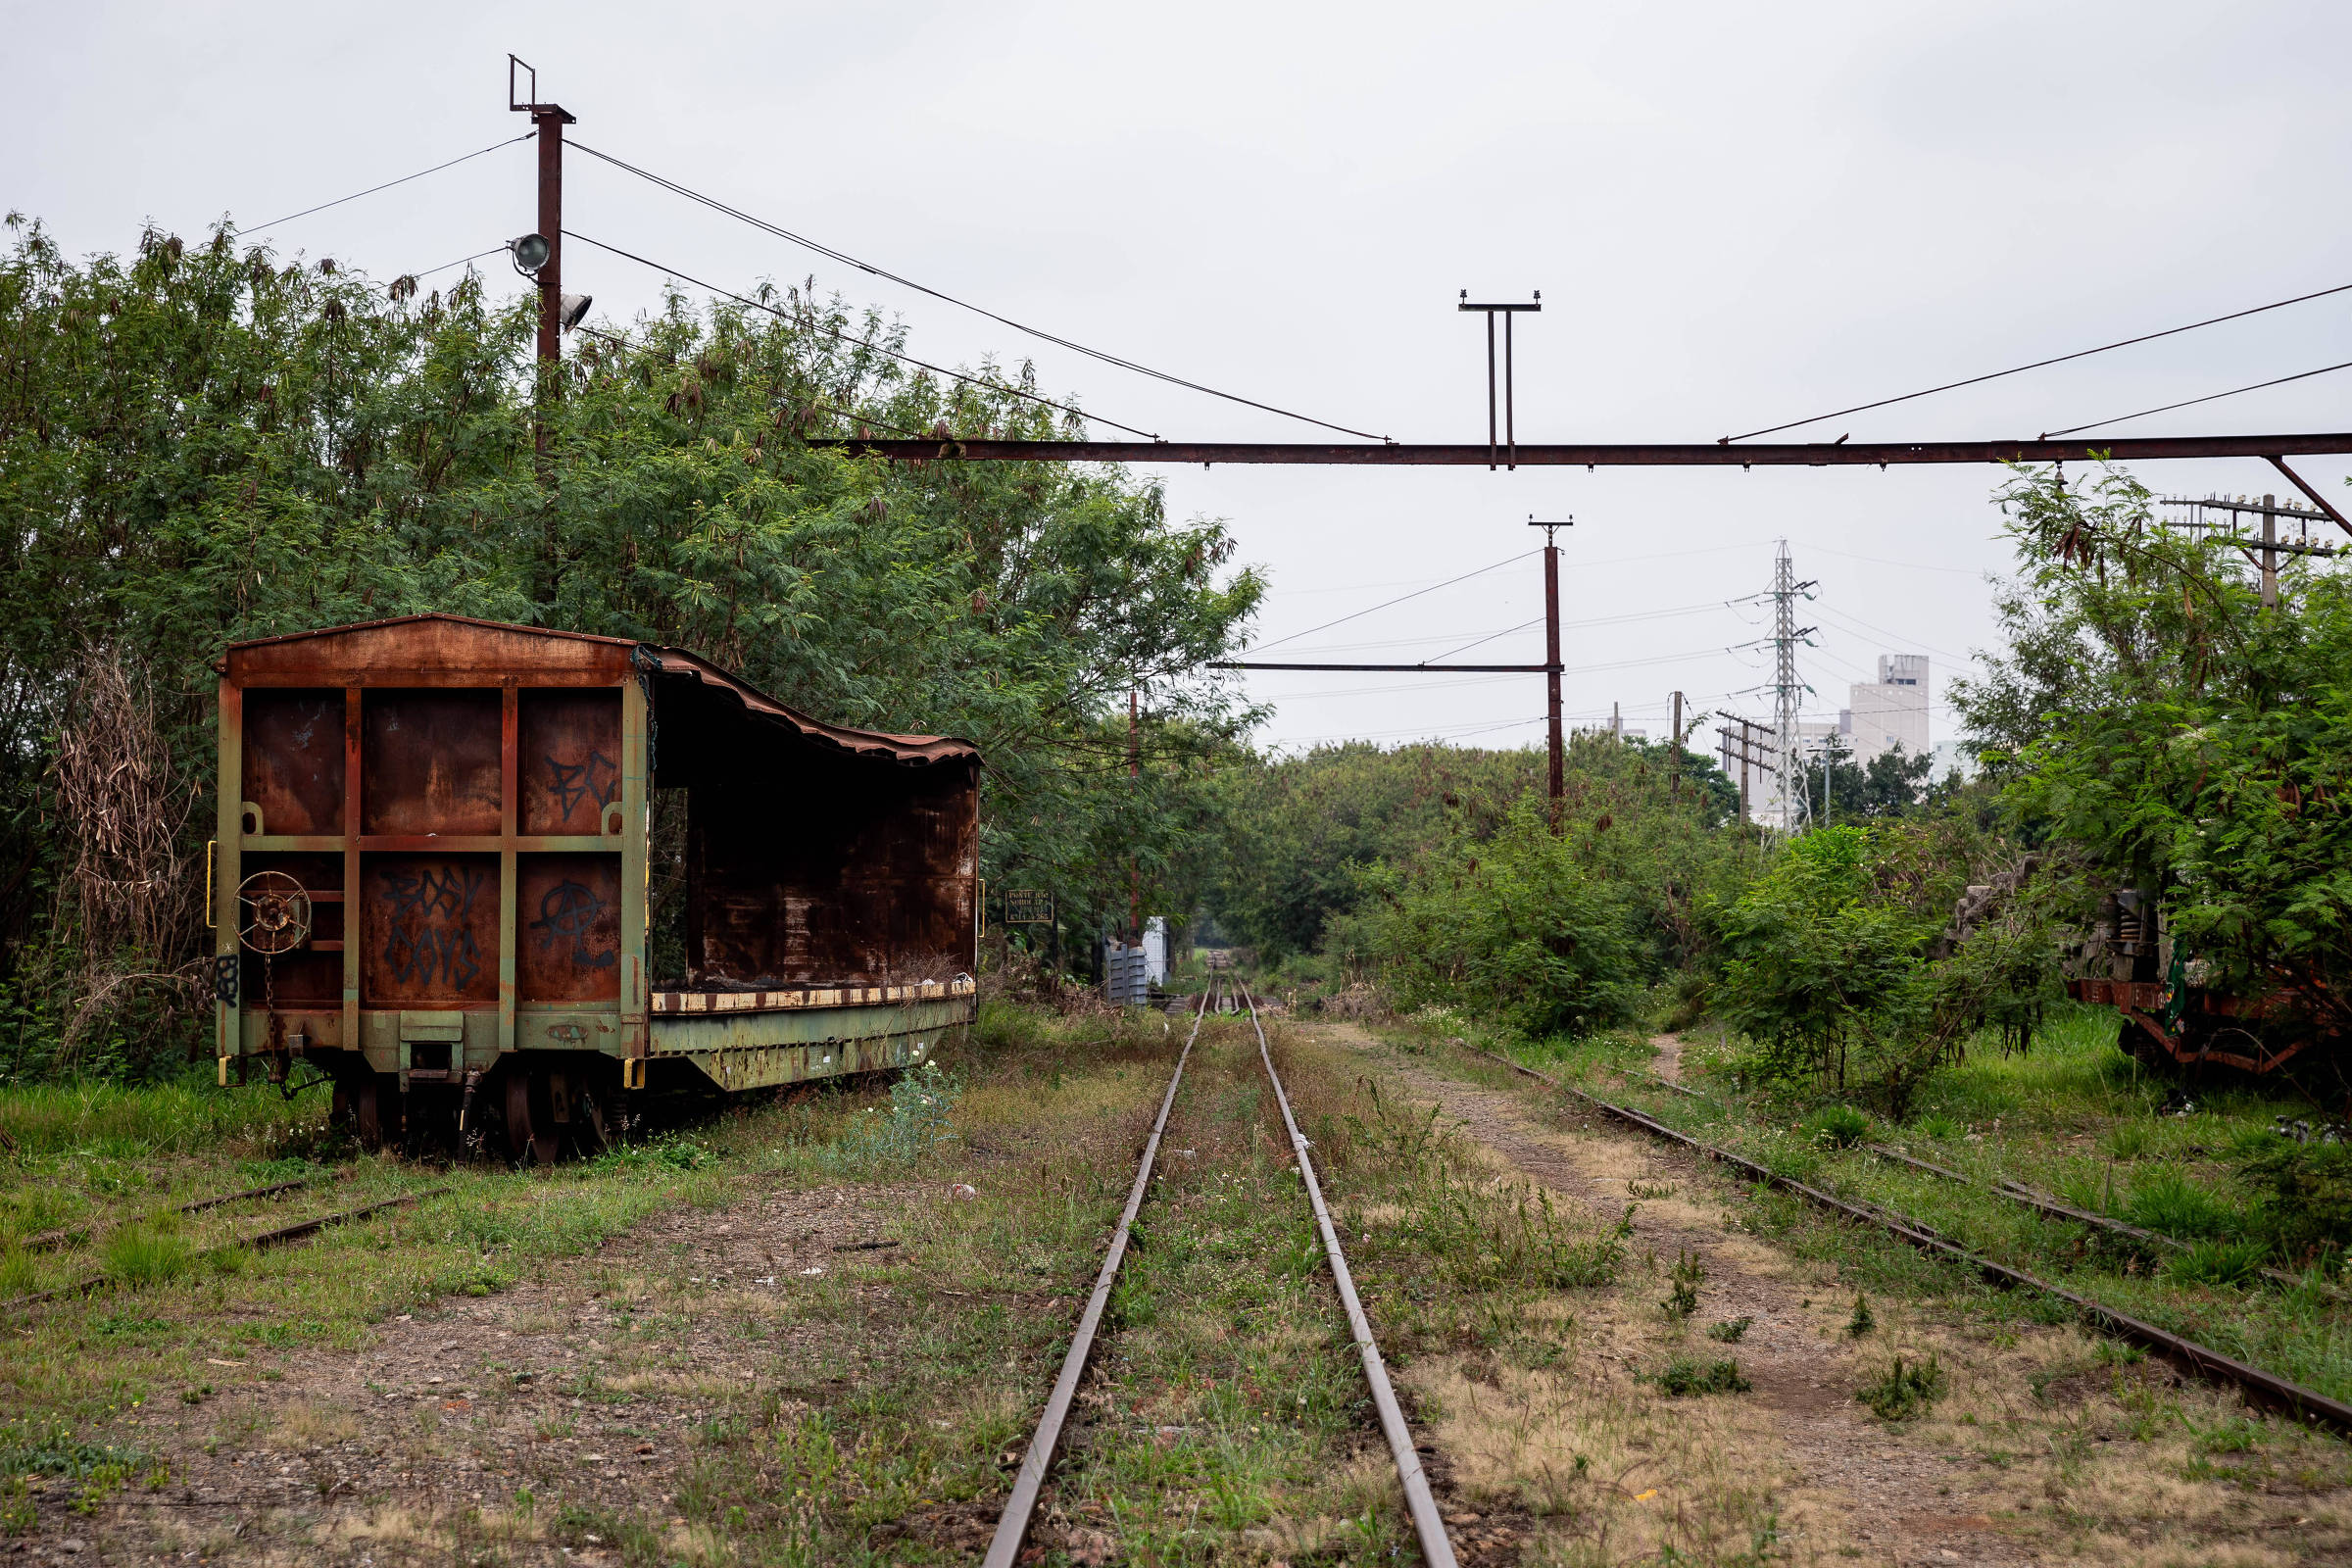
(2204, 1361)
(1013, 1526)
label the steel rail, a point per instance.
(1436, 1549)
(1598, 455)
(272, 1238)
(1013, 1526)
(2204, 1361)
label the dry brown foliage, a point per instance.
(131, 898)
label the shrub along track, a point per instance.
(1013, 1527)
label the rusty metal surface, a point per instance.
(429, 651)
(293, 762)
(429, 762)
(1605, 454)
(570, 761)
(677, 665)
(429, 924)
(569, 949)
(479, 792)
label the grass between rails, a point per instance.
(1225, 1415)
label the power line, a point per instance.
(1882, 561)
(2300, 375)
(1566, 625)
(936, 369)
(1941, 653)
(257, 228)
(2125, 343)
(1398, 600)
(846, 260)
(445, 266)
(1483, 641)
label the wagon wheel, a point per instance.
(274, 913)
(527, 1112)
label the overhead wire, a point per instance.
(256, 228)
(1398, 600)
(445, 266)
(846, 260)
(2190, 403)
(2060, 359)
(1565, 625)
(864, 343)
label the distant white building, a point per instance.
(1890, 711)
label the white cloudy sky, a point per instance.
(1736, 215)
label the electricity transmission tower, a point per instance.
(1795, 797)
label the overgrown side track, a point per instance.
(1436, 1549)
(2206, 1362)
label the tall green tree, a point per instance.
(2192, 743)
(202, 443)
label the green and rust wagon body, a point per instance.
(514, 877)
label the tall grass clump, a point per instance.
(126, 1122)
(916, 1122)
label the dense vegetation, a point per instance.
(201, 443)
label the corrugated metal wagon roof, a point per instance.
(489, 650)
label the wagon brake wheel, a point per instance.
(274, 913)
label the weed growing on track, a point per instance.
(1903, 1391)
(1685, 1376)
(1686, 1276)
(1730, 1331)
(1862, 1322)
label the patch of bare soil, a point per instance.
(1998, 1474)
(530, 1424)
(1670, 1056)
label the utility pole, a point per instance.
(1674, 759)
(2270, 552)
(548, 121)
(1748, 742)
(1789, 746)
(2263, 552)
(1555, 778)
(1134, 774)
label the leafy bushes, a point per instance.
(1520, 928)
(2303, 1194)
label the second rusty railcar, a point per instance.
(512, 877)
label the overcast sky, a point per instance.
(1736, 215)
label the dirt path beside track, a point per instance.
(2028, 1457)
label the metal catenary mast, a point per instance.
(1787, 689)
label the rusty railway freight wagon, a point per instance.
(493, 876)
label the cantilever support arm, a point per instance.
(2318, 500)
